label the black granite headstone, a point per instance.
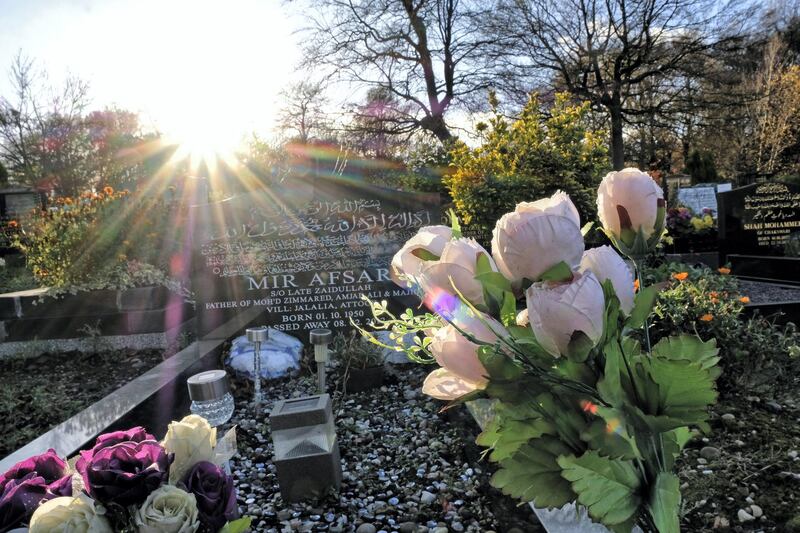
(758, 219)
(304, 252)
(755, 223)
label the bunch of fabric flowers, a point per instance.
(128, 481)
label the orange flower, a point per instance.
(708, 317)
(713, 294)
(108, 190)
(745, 299)
(680, 276)
(724, 271)
(714, 300)
(13, 224)
(68, 200)
(636, 285)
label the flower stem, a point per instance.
(639, 264)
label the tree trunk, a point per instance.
(437, 126)
(617, 146)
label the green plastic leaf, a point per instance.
(587, 228)
(508, 312)
(558, 272)
(532, 474)
(674, 393)
(643, 305)
(608, 488)
(483, 264)
(665, 503)
(455, 226)
(237, 526)
(608, 442)
(610, 386)
(495, 280)
(505, 436)
(498, 364)
(579, 346)
(424, 254)
(690, 348)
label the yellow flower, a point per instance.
(724, 271)
(708, 317)
(680, 276)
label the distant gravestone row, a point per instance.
(305, 254)
(702, 197)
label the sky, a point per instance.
(211, 68)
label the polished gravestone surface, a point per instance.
(755, 223)
(304, 254)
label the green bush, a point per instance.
(526, 159)
(700, 300)
(97, 239)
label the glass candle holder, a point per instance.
(211, 396)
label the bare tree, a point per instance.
(423, 52)
(610, 52)
(774, 117)
(303, 111)
(41, 129)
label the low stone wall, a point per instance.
(147, 317)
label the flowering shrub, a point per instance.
(710, 303)
(530, 157)
(689, 231)
(123, 487)
(586, 408)
(90, 238)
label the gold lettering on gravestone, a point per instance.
(773, 212)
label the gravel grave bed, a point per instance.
(41, 392)
(761, 292)
(405, 466)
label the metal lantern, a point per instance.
(306, 449)
(321, 338)
(257, 336)
(211, 396)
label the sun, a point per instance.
(204, 138)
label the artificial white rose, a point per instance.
(168, 509)
(444, 385)
(628, 201)
(558, 204)
(522, 318)
(557, 310)
(69, 514)
(535, 238)
(429, 242)
(191, 440)
(460, 356)
(607, 264)
(456, 266)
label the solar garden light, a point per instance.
(257, 336)
(306, 449)
(321, 338)
(211, 396)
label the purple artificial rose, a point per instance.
(215, 494)
(137, 434)
(124, 473)
(49, 466)
(20, 498)
(30, 482)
